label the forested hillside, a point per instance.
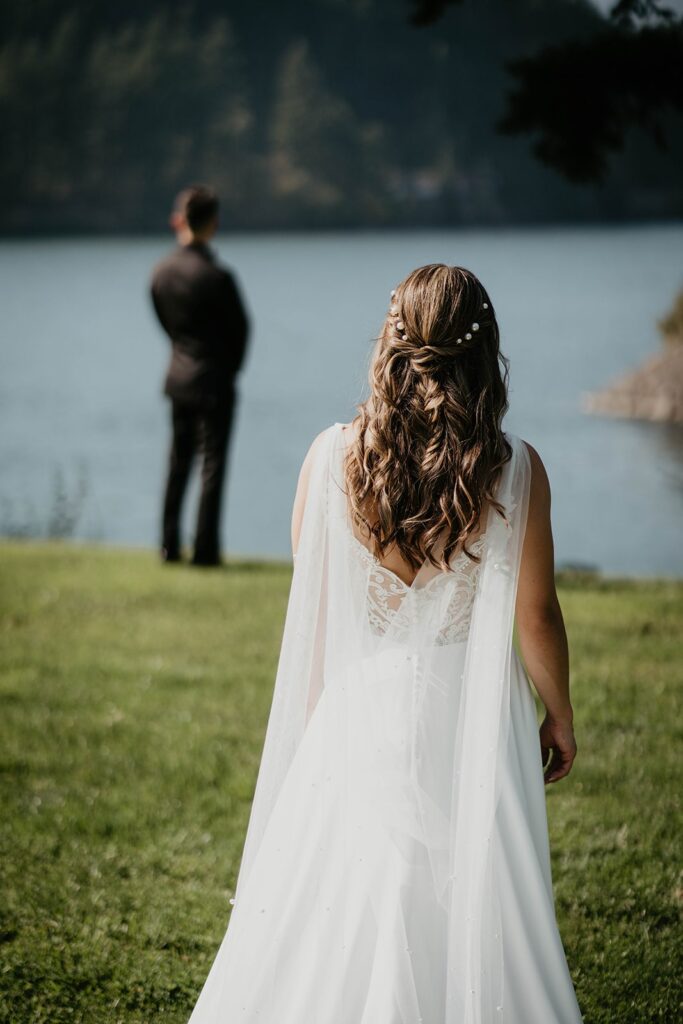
(325, 113)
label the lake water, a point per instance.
(83, 360)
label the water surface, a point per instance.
(83, 360)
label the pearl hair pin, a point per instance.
(474, 327)
(400, 326)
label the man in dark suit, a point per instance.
(200, 308)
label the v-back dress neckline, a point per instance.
(476, 546)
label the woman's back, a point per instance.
(536, 596)
(401, 599)
(393, 560)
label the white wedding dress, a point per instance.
(396, 867)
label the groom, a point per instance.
(200, 308)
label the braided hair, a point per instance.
(430, 446)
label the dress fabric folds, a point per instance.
(396, 867)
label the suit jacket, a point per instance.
(200, 308)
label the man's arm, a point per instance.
(156, 302)
(235, 321)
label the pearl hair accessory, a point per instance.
(474, 327)
(393, 313)
(400, 326)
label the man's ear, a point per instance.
(177, 221)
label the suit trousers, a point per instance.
(198, 430)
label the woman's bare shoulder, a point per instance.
(316, 443)
(350, 430)
(314, 446)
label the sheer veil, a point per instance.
(366, 672)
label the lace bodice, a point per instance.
(447, 597)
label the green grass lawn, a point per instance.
(135, 698)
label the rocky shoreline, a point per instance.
(653, 391)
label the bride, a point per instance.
(396, 867)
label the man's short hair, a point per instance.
(198, 204)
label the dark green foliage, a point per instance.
(618, 78)
(319, 114)
(135, 698)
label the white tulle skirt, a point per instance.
(341, 920)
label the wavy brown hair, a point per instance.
(429, 447)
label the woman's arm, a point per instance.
(317, 666)
(301, 492)
(540, 627)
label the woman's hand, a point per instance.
(558, 737)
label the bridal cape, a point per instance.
(396, 868)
